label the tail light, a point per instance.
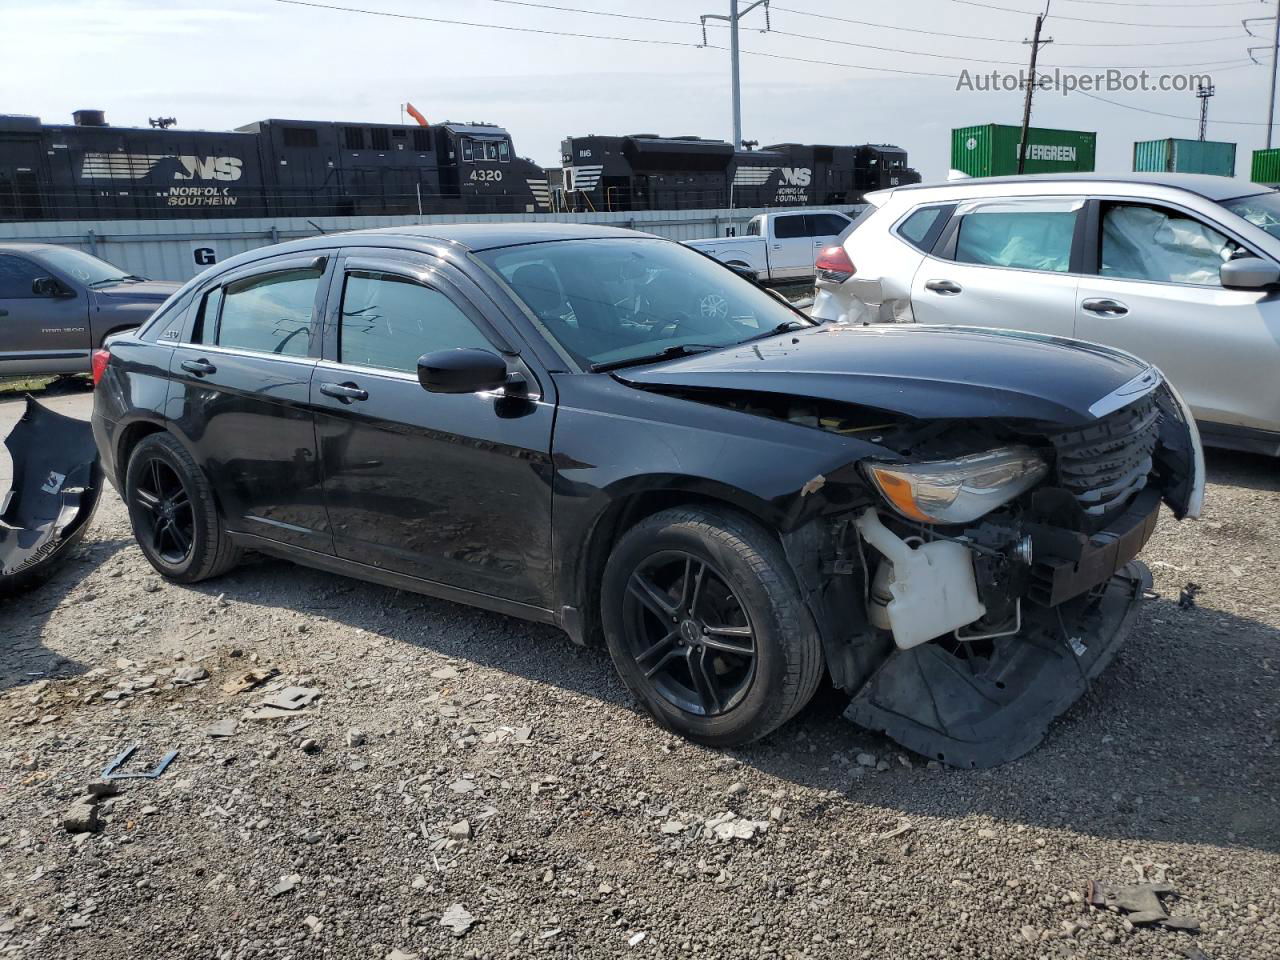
(99, 363)
(833, 264)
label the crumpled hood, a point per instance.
(915, 371)
(149, 291)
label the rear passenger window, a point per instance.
(1026, 235)
(788, 228)
(827, 224)
(269, 314)
(388, 322)
(919, 225)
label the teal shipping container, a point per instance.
(991, 150)
(1185, 156)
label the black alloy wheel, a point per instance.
(175, 513)
(707, 626)
(689, 633)
(165, 515)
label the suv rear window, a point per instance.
(921, 227)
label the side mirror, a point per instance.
(1249, 273)
(49, 287)
(461, 371)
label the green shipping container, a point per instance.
(991, 150)
(1266, 167)
(1185, 156)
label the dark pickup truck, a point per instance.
(58, 304)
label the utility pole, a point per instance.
(1204, 93)
(1036, 44)
(735, 15)
(1275, 50)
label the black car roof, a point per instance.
(486, 236)
(18, 246)
(1206, 185)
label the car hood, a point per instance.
(915, 371)
(145, 291)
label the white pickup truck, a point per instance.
(778, 246)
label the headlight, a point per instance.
(958, 491)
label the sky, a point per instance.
(890, 77)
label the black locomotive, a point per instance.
(648, 172)
(91, 171)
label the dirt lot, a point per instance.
(455, 757)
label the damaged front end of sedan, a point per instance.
(971, 577)
(56, 483)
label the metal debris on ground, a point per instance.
(1140, 904)
(112, 769)
(292, 698)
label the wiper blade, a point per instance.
(784, 327)
(98, 283)
(676, 350)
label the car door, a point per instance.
(790, 246)
(240, 391)
(45, 332)
(1006, 262)
(1155, 291)
(451, 488)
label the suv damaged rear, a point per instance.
(976, 567)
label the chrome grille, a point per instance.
(1104, 464)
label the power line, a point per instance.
(1171, 116)
(487, 26)
(968, 36)
(1170, 6)
(1107, 23)
(594, 13)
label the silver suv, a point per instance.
(58, 304)
(1181, 270)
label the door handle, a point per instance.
(945, 287)
(346, 392)
(199, 367)
(1105, 308)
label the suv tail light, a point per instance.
(99, 363)
(833, 264)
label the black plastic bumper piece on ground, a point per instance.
(56, 483)
(985, 712)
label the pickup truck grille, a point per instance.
(1104, 464)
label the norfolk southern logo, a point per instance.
(793, 182)
(138, 166)
(141, 166)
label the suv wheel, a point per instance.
(174, 516)
(706, 625)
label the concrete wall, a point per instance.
(174, 249)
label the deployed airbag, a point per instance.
(56, 483)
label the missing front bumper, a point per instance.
(974, 711)
(56, 483)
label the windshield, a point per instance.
(88, 270)
(611, 301)
(1260, 209)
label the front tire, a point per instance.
(706, 625)
(173, 512)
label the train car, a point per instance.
(648, 172)
(645, 172)
(88, 170)
(480, 172)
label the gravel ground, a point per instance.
(467, 785)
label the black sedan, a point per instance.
(616, 434)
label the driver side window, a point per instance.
(1141, 242)
(269, 313)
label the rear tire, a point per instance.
(706, 625)
(173, 512)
